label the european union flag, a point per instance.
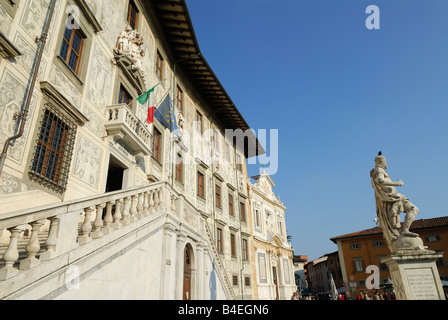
(165, 114)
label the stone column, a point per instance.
(167, 263)
(200, 271)
(208, 282)
(414, 274)
(181, 242)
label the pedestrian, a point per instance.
(360, 296)
(376, 296)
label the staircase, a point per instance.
(219, 265)
(39, 245)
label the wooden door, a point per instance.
(187, 275)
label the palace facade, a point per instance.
(89, 188)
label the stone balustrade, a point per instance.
(122, 123)
(74, 224)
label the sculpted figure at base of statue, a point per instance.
(389, 205)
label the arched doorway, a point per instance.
(187, 274)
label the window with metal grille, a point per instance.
(53, 152)
(235, 280)
(132, 15)
(242, 212)
(71, 48)
(247, 281)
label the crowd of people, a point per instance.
(345, 296)
(365, 296)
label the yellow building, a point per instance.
(271, 254)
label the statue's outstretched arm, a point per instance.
(380, 178)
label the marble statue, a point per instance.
(389, 205)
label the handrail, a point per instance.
(219, 262)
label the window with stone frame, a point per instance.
(200, 184)
(432, 237)
(378, 243)
(231, 209)
(124, 96)
(133, 15)
(218, 196)
(159, 66)
(219, 240)
(156, 145)
(257, 216)
(358, 265)
(71, 48)
(355, 246)
(52, 157)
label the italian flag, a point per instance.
(143, 99)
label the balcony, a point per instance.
(123, 124)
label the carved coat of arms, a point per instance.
(129, 44)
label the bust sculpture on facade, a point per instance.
(389, 205)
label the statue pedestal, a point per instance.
(414, 275)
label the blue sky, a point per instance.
(338, 93)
